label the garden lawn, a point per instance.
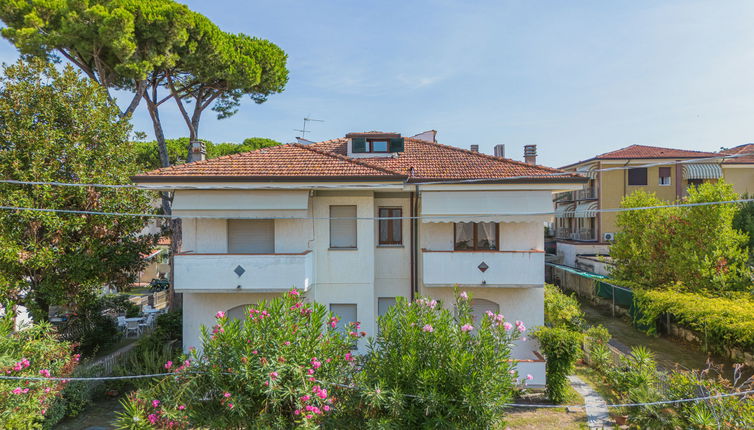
(545, 419)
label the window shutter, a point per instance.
(358, 144)
(343, 231)
(637, 176)
(664, 172)
(346, 312)
(247, 236)
(396, 144)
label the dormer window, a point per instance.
(378, 145)
(374, 144)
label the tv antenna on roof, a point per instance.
(304, 130)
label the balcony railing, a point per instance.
(243, 272)
(564, 197)
(586, 194)
(483, 268)
(584, 234)
(563, 233)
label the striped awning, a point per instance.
(590, 171)
(702, 171)
(586, 210)
(565, 211)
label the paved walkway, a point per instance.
(596, 408)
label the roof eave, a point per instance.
(534, 179)
(196, 178)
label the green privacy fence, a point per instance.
(618, 296)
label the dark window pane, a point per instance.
(464, 235)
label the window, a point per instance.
(378, 145)
(251, 236)
(637, 176)
(695, 182)
(343, 231)
(476, 236)
(664, 175)
(390, 230)
(383, 304)
(346, 313)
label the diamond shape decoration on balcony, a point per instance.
(483, 267)
(239, 270)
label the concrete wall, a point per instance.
(568, 252)
(392, 275)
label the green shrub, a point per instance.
(726, 322)
(262, 372)
(562, 310)
(429, 369)
(561, 347)
(75, 397)
(90, 329)
(596, 351)
(31, 352)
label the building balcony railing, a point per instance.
(243, 272)
(563, 233)
(584, 234)
(483, 268)
(564, 197)
(587, 194)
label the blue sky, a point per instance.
(574, 78)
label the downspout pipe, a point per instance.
(413, 242)
(415, 245)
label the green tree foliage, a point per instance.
(56, 126)
(562, 310)
(697, 247)
(561, 347)
(147, 155)
(744, 222)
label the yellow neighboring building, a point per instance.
(581, 230)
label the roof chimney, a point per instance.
(500, 150)
(474, 148)
(198, 151)
(530, 154)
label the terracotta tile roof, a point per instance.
(741, 149)
(290, 160)
(643, 151)
(420, 161)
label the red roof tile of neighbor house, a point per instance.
(740, 149)
(420, 161)
(643, 151)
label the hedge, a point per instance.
(726, 322)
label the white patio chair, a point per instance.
(133, 327)
(122, 324)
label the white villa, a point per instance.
(470, 219)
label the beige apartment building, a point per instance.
(580, 229)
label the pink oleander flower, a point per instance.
(181, 407)
(489, 313)
(348, 356)
(45, 373)
(287, 342)
(316, 364)
(521, 328)
(230, 405)
(529, 377)
(273, 375)
(512, 372)
(467, 327)
(152, 418)
(220, 314)
(507, 326)
(155, 403)
(17, 390)
(226, 394)
(293, 293)
(326, 408)
(47, 389)
(309, 416)
(305, 398)
(428, 328)
(168, 365)
(297, 412)
(463, 295)
(77, 357)
(310, 372)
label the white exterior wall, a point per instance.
(363, 275)
(569, 251)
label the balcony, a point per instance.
(563, 233)
(567, 196)
(486, 269)
(243, 272)
(584, 234)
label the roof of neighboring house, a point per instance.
(747, 148)
(647, 152)
(420, 161)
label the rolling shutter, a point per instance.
(251, 236)
(343, 231)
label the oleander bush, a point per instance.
(726, 321)
(35, 351)
(431, 368)
(277, 368)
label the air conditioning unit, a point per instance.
(608, 237)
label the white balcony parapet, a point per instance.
(243, 272)
(483, 269)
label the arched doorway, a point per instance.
(239, 312)
(480, 306)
